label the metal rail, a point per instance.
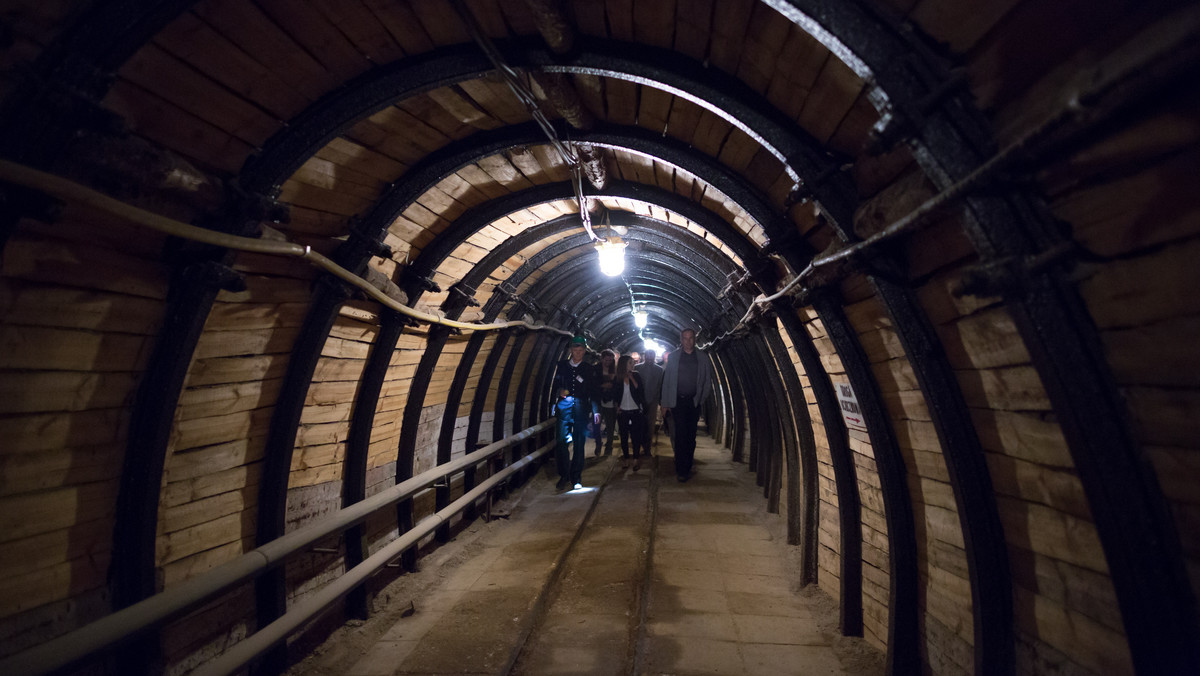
(124, 625)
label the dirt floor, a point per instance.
(567, 583)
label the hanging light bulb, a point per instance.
(640, 317)
(612, 256)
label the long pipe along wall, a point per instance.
(265, 261)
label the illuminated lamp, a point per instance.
(612, 256)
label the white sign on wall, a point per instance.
(849, 405)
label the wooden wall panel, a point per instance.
(1031, 469)
(80, 301)
(874, 547)
(934, 507)
(1139, 294)
(828, 524)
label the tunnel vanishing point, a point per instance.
(283, 279)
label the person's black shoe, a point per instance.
(561, 485)
(680, 478)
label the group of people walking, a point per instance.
(624, 395)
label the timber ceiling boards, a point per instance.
(386, 117)
(382, 141)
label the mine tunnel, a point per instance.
(284, 286)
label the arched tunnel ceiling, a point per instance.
(464, 170)
(731, 161)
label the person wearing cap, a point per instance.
(577, 388)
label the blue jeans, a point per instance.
(573, 418)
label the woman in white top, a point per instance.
(631, 418)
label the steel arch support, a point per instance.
(845, 473)
(902, 655)
(802, 479)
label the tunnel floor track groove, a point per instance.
(633, 574)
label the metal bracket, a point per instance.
(372, 245)
(413, 278)
(467, 293)
(253, 208)
(506, 290)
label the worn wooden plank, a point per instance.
(434, 16)
(423, 107)
(737, 150)
(177, 129)
(987, 339)
(497, 100)
(1015, 388)
(766, 34)
(180, 544)
(1053, 533)
(1141, 290)
(362, 28)
(198, 44)
(1083, 640)
(156, 71)
(222, 429)
(59, 467)
(33, 304)
(203, 402)
(620, 19)
(1054, 487)
(400, 20)
(729, 23)
(791, 85)
(305, 24)
(21, 592)
(39, 348)
(48, 391)
(1131, 213)
(28, 514)
(251, 29)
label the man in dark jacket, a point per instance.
(687, 382)
(576, 387)
(652, 375)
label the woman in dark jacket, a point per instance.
(631, 408)
(608, 402)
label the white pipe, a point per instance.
(304, 611)
(69, 191)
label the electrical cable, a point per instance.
(71, 192)
(524, 94)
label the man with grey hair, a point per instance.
(687, 382)
(652, 375)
